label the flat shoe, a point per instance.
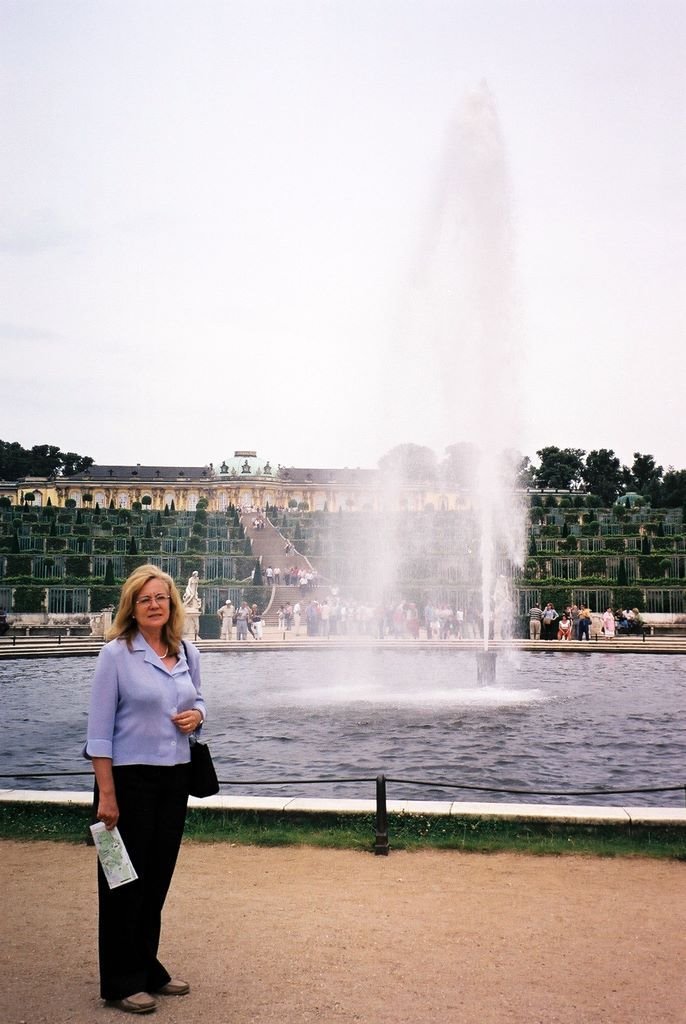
(140, 1002)
(175, 988)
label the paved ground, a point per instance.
(298, 935)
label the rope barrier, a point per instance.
(381, 842)
(389, 778)
(537, 792)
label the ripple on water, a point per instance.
(563, 721)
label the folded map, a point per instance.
(113, 857)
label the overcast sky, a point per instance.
(213, 213)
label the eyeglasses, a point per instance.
(157, 598)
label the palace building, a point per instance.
(244, 481)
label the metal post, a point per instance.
(381, 840)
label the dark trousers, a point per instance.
(152, 811)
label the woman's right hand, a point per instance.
(108, 811)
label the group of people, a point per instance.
(246, 618)
(622, 622)
(576, 620)
(399, 620)
(303, 577)
(547, 623)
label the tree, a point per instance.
(644, 476)
(29, 498)
(41, 460)
(602, 474)
(560, 468)
(133, 547)
(72, 463)
(673, 490)
(525, 473)
(257, 575)
(460, 464)
(146, 500)
(410, 463)
(109, 573)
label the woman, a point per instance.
(256, 622)
(609, 623)
(564, 627)
(145, 703)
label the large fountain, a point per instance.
(456, 359)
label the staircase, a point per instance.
(269, 546)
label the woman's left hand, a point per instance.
(187, 721)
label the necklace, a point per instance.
(166, 652)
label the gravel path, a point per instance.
(297, 935)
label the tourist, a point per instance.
(145, 704)
(277, 576)
(225, 615)
(288, 616)
(428, 620)
(296, 617)
(622, 623)
(243, 621)
(550, 617)
(412, 621)
(269, 575)
(312, 618)
(325, 618)
(256, 622)
(574, 616)
(564, 627)
(535, 618)
(609, 624)
(585, 621)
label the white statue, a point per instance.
(191, 601)
(192, 606)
